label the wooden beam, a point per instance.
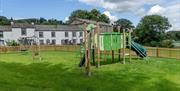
(98, 45)
(124, 41)
(85, 45)
(112, 56)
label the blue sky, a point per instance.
(40, 8)
(115, 9)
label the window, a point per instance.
(53, 42)
(74, 34)
(41, 42)
(23, 31)
(47, 41)
(1, 34)
(81, 40)
(66, 41)
(66, 34)
(62, 42)
(41, 35)
(53, 34)
(80, 34)
(1, 42)
(74, 41)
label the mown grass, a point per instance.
(59, 71)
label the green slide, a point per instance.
(139, 49)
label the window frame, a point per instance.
(80, 34)
(41, 42)
(53, 34)
(66, 41)
(74, 34)
(66, 34)
(74, 41)
(48, 41)
(41, 34)
(1, 34)
(53, 42)
(23, 32)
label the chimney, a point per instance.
(12, 23)
(32, 23)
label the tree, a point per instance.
(151, 30)
(94, 14)
(42, 20)
(4, 21)
(174, 35)
(123, 23)
(104, 18)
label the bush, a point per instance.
(167, 43)
(12, 43)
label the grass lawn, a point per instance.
(59, 71)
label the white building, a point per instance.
(47, 34)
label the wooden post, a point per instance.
(89, 54)
(129, 40)
(112, 56)
(85, 49)
(119, 50)
(157, 52)
(98, 45)
(124, 41)
(119, 54)
(93, 46)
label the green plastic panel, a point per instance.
(110, 41)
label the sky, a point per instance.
(133, 10)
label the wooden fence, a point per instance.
(69, 48)
(151, 51)
(163, 52)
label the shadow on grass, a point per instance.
(59, 77)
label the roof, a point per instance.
(90, 21)
(5, 28)
(22, 25)
(57, 27)
(44, 27)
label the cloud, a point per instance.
(172, 12)
(140, 12)
(66, 19)
(120, 5)
(156, 10)
(111, 17)
(168, 8)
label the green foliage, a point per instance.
(4, 21)
(123, 23)
(94, 14)
(12, 43)
(174, 35)
(58, 71)
(167, 43)
(151, 30)
(40, 21)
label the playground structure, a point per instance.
(96, 42)
(30, 44)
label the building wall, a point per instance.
(15, 34)
(60, 35)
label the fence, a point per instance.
(151, 51)
(70, 48)
(163, 52)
